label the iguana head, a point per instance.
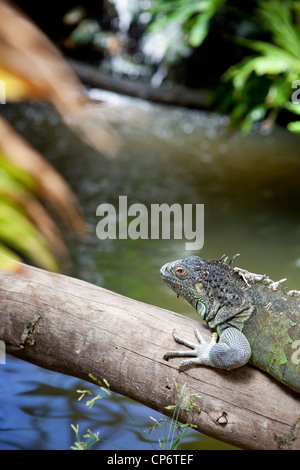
(211, 287)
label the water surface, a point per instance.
(249, 186)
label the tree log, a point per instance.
(174, 95)
(76, 328)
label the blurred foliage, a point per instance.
(17, 232)
(32, 193)
(259, 87)
(193, 16)
(262, 84)
(27, 231)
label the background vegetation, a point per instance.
(259, 87)
(247, 54)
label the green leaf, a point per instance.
(278, 18)
(240, 74)
(17, 173)
(192, 15)
(293, 107)
(256, 114)
(18, 233)
(200, 29)
(8, 259)
(279, 92)
(294, 126)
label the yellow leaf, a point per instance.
(15, 89)
(8, 259)
(42, 73)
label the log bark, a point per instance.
(71, 326)
(175, 95)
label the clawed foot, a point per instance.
(199, 354)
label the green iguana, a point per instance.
(252, 318)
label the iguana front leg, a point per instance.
(231, 351)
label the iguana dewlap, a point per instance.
(251, 317)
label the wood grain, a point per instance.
(77, 328)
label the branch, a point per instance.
(176, 95)
(70, 326)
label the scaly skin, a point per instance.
(251, 317)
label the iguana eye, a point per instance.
(180, 271)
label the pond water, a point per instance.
(249, 185)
